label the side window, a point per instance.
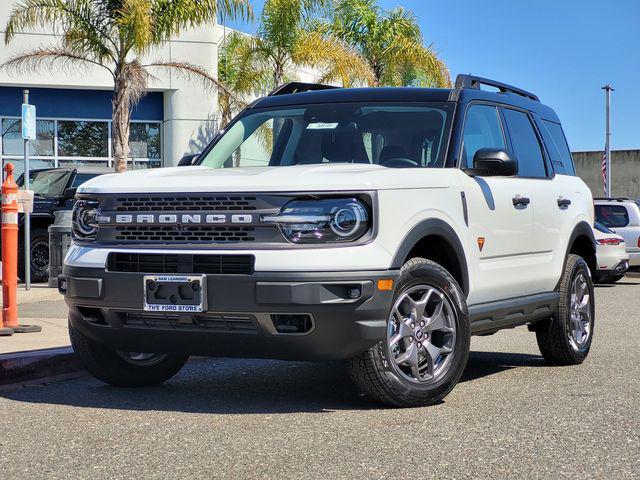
(612, 216)
(481, 130)
(80, 178)
(565, 163)
(525, 144)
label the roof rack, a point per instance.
(471, 81)
(299, 87)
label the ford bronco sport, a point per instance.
(380, 226)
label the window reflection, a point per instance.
(83, 139)
(12, 143)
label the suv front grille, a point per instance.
(227, 220)
(232, 323)
(186, 204)
(180, 263)
(186, 234)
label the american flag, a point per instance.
(604, 171)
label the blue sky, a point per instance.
(562, 50)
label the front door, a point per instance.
(500, 216)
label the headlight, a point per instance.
(330, 220)
(85, 219)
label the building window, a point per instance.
(83, 139)
(12, 143)
(69, 143)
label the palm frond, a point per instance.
(50, 58)
(191, 71)
(172, 16)
(135, 21)
(84, 32)
(334, 58)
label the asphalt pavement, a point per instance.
(510, 417)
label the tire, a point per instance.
(39, 256)
(557, 338)
(377, 373)
(122, 370)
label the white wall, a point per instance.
(190, 111)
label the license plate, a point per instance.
(174, 293)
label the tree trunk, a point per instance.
(120, 125)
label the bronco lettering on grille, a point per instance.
(177, 219)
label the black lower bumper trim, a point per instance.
(619, 269)
(289, 316)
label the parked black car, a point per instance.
(54, 189)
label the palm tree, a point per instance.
(392, 43)
(115, 35)
(241, 81)
(287, 38)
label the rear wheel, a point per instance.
(565, 339)
(427, 342)
(124, 369)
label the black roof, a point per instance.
(467, 89)
(342, 95)
(95, 170)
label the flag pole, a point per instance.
(608, 89)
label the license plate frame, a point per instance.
(187, 299)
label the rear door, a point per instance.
(501, 230)
(547, 192)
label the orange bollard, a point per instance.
(9, 251)
(10, 256)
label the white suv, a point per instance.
(622, 216)
(379, 226)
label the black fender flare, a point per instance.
(439, 228)
(582, 228)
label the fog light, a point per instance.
(354, 293)
(62, 285)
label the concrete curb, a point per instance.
(23, 367)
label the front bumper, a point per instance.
(245, 314)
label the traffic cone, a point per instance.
(10, 257)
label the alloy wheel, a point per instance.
(421, 334)
(580, 312)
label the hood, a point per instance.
(297, 178)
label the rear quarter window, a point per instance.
(612, 216)
(558, 148)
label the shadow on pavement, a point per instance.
(232, 386)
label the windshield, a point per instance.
(405, 135)
(47, 183)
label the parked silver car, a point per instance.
(622, 216)
(611, 255)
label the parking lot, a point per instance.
(511, 416)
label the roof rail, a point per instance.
(615, 199)
(471, 81)
(299, 87)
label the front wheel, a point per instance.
(124, 369)
(39, 256)
(565, 338)
(427, 342)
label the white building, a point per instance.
(177, 117)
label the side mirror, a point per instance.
(188, 160)
(69, 193)
(494, 162)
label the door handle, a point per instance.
(564, 203)
(520, 201)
